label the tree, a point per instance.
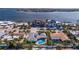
(66, 42)
(58, 47)
(28, 31)
(14, 26)
(11, 45)
(77, 47)
(48, 39)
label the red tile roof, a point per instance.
(20, 34)
(60, 35)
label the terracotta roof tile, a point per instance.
(60, 35)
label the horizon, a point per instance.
(29, 14)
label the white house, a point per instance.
(8, 37)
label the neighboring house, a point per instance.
(32, 37)
(22, 23)
(77, 37)
(17, 35)
(8, 37)
(6, 24)
(12, 36)
(59, 36)
(75, 33)
(2, 34)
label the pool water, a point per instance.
(41, 41)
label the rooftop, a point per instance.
(59, 35)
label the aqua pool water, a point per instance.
(41, 41)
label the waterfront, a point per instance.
(38, 35)
(39, 29)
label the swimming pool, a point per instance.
(41, 41)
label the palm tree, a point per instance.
(29, 25)
(49, 38)
(30, 47)
(28, 31)
(66, 42)
(14, 26)
(58, 47)
(11, 45)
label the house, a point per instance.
(22, 23)
(75, 33)
(32, 37)
(77, 37)
(59, 36)
(17, 35)
(8, 37)
(38, 38)
(10, 23)
(2, 34)
(12, 36)
(6, 24)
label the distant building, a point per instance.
(22, 23)
(6, 24)
(54, 25)
(38, 23)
